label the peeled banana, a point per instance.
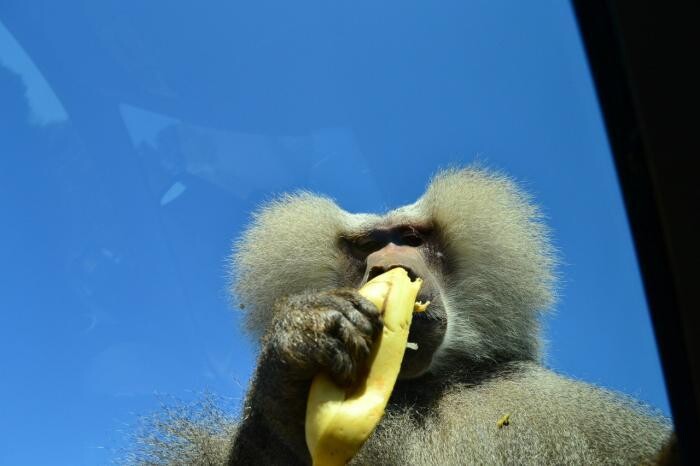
(338, 421)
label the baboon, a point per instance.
(475, 390)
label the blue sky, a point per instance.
(135, 139)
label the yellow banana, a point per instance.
(338, 421)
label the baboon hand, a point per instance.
(329, 331)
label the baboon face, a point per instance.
(417, 249)
(474, 237)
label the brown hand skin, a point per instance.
(330, 332)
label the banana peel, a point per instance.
(338, 420)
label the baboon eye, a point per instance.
(362, 246)
(412, 239)
(367, 245)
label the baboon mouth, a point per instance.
(376, 271)
(426, 293)
(411, 274)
